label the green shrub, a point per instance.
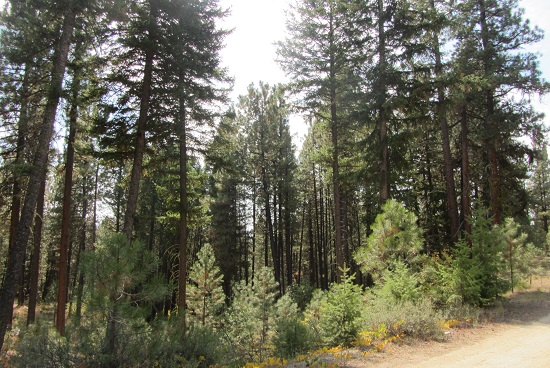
(203, 347)
(292, 336)
(418, 319)
(301, 294)
(122, 286)
(196, 346)
(312, 314)
(399, 284)
(42, 346)
(340, 311)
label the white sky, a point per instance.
(249, 53)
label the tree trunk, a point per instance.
(96, 189)
(490, 121)
(382, 114)
(139, 150)
(338, 241)
(313, 279)
(182, 278)
(63, 274)
(269, 224)
(22, 128)
(466, 209)
(35, 257)
(452, 207)
(300, 252)
(38, 171)
(254, 197)
(82, 249)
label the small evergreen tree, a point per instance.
(205, 295)
(341, 311)
(250, 317)
(519, 256)
(395, 237)
(292, 335)
(400, 284)
(473, 273)
(122, 288)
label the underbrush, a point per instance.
(295, 337)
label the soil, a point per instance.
(513, 333)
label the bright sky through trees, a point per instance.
(250, 51)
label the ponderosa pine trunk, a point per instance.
(465, 171)
(183, 206)
(288, 234)
(94, 220)
(141, 129)
(38, 170)
(338, 241)
(490, 121)
(17, 192)
(82, 249)
(452, 207)
(382, 113)
(63, 273)
(35, 257)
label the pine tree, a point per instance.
(490, 34)
(320, 55)
(205, 293)
(250, 317)
(395, 237)
(39, 169)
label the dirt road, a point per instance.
(517, 335)
(518, 346)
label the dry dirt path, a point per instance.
(516, 335)
(518, 346)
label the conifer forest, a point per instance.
(147, 219)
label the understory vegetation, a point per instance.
(413, 296)
(155, 214)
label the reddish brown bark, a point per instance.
(38, 171)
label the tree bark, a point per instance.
(466, 209)
(22, 128)
(139, 150)
(382, 114)
(82, 249)
(63, 274)
(96, 190)
(452, 207)
(35, 257)
(490, 120)
(38, 171)
(338, 241)
(183, 206)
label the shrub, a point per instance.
(312, 314)
(340, 311)
(122, 287)
(292, 336)
(418, 319)
(196, 346)
(301, 294)
(400, 284)
(42, 346)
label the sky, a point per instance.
(250, 51)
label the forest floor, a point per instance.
(513, 333)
